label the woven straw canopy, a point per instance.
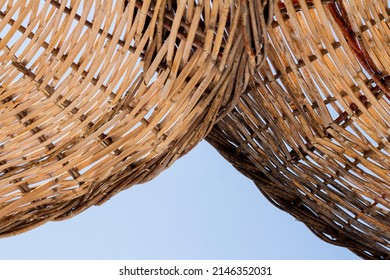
(96, 96)
(312, 131)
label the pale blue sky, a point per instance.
(200, 208)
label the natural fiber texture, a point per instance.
(96, 96)
(313, 129)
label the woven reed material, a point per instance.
(96, 96)
(313, 129)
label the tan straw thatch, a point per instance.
(96, 96)
(313, 129)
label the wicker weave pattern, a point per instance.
(313, 129)
(96, 96)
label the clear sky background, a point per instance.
(200, 208)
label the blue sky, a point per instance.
(200, 208)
